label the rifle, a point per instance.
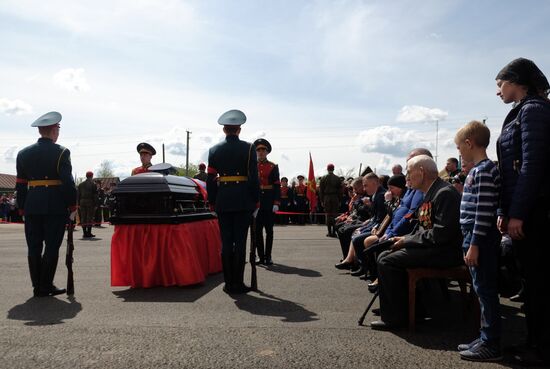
(69, 258)
(252, 256)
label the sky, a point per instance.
(354, 83)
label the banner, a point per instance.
(311, 188)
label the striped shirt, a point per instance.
(479, 203)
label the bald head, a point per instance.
(421, 172)
(419, 151)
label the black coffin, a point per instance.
(154, 198)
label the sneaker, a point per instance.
(482, 352)
(467, 346)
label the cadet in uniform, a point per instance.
(87, 202)
(269, 200)
(287, 199)
(330, 191)
(46, 195)
(201, 175)
(300, 200)
(146, 153)
(233, 192)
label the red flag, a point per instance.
(311, 187)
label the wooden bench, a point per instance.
(460, 274)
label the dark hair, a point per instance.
(453, 160)
(525, 72)
(231, 130)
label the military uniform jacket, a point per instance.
(45, 160)
(201, 176)
(233, 158)
(141, 169)
(287, 196)
(330, 185)
(438, 218)
(87, 193)
(270, 185)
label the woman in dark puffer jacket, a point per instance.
(523, 150)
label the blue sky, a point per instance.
(330, 77)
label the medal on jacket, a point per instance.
(425, 215)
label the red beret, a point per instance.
(330, 167)
(89, 174)
(202, 166)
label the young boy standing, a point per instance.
(481, 238)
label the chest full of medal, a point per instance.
(155, 198)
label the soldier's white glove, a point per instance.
(72, 216)
(255, 213)
(275, 208)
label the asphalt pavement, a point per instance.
(304, 316)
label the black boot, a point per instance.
(227, 271)
(90, 232)
(34, 269)
(268, 248)
(47, 272)
(238, 285)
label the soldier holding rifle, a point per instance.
(46, 196)
(233, 192)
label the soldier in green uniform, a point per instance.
(87, 202)
(330, 191)
(233, 192)
(46, 196)
(201, 175)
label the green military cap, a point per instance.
(232, 118)
(48, 119)
(145, 147)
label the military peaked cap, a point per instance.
(262, 142)
(232, 118)
(145, 147)
(48, 119)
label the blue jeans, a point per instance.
(485, 283)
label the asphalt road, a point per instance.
(305, 316)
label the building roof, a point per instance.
(7, 182)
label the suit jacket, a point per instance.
(45, 160)
(233, 157)
(438, 218)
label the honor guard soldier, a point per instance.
(201, 175)
(46, 196)
(287, 199)
(146, 153)
(300, 199)
(269, 200)
(330, 192)
(87, 202)
(233, 192)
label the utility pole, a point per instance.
(187, 155)
(436, 138)
(163, 154)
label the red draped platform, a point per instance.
(148, 255)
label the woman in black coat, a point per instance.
(523, 150)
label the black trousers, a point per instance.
(393, 283)
(344, 232)
(234, 231)
(45, 230)
(534, 254)
(264, 220)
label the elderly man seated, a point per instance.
(435, 241)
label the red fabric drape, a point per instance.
(148, 255)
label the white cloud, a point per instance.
(176, 148)
(390, 140)
(417, 113)
(285, 157)
(14, 107)
(71, 79)
(10, 154)
(384, 165)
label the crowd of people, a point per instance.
(465, 214)
(8, 207)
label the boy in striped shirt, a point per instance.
(481, 238)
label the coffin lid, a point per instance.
(155, 182)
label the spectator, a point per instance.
(435, 242)
(523, 149)
(481, 245)
(458, 180)
(450, 170)
(397, 169)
